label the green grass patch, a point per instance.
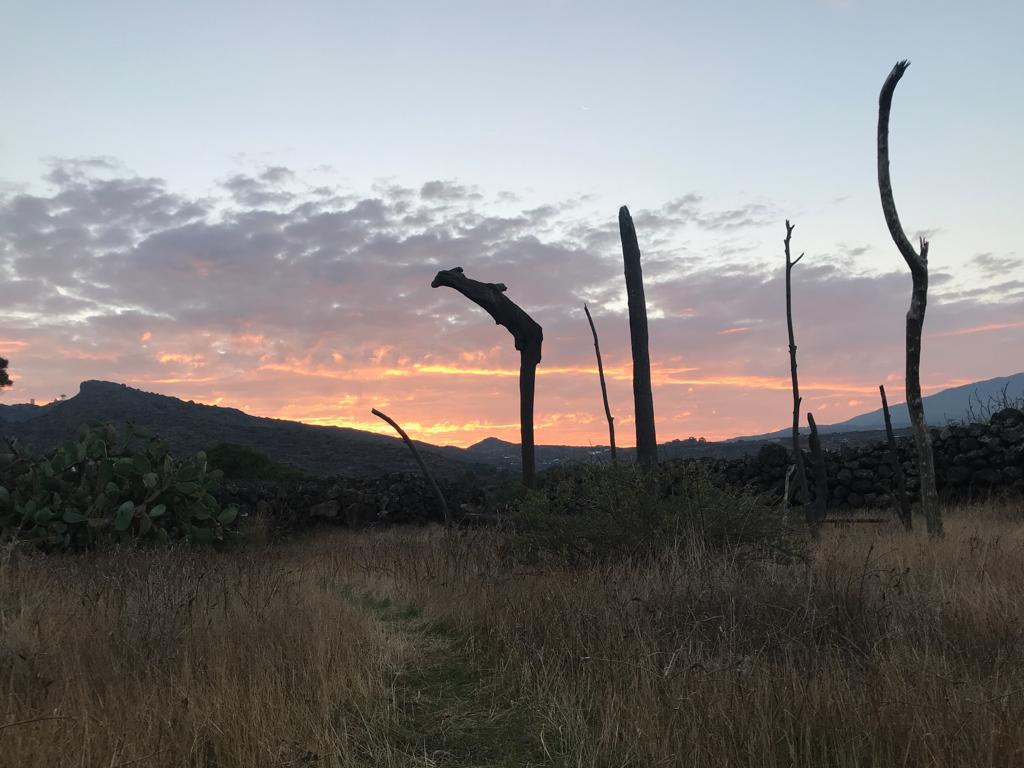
(456, 707)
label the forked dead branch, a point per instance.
(918, 263)
(798, 457)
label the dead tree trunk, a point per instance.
(528, 337)
(419, 460)
(897, 467)
(820, 474)
(604, 388)
(798, 455)
(918, 263)
(643, 399)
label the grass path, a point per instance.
(454, 707)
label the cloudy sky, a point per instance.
(244, 204)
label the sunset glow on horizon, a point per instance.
(330, 313)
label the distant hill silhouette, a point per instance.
(956, 404)
(18, 412)
(188, 427)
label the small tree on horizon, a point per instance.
(5, 380)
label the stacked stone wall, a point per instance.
(972, 462)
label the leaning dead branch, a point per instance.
(528, 337)
(419, 460)
(604, 388)
(918, 263)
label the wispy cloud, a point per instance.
(295, 300)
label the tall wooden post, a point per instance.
(820, 475)
(918, 263)
(897, 468)
(643, 398)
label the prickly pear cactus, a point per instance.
(109, 487)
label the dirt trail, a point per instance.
(454, 708)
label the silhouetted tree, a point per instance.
(897, 468)
(604, 389)
(419, 460)
(5, 380)
(528, 337)
(918, 263)
(643, 399)
(798, 455)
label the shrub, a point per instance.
(102, 487)
(602, 514)
(239, 462)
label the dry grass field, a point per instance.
(411, 648)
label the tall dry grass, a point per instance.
(884, 649)
(186, 659)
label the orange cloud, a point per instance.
(8, 346)
(243, 341)
(175, 380)
(979, 329)
(184, 359)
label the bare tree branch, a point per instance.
(798, 456)
(918, 263)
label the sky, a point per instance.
(244, 203)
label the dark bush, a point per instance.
(602, 514)
(239, 462)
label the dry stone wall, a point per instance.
(972, 461)
(354, 502)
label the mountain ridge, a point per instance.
(320, 450)
(952, 404)
(188, 427)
